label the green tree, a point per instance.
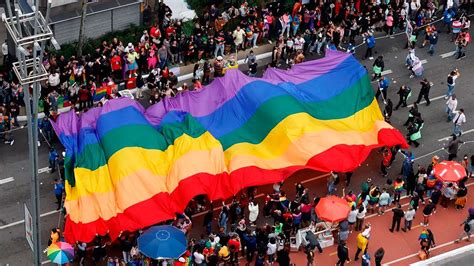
(199, 6)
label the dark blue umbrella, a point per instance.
(162, 242)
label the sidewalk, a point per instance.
(401, 248)
(185, 72)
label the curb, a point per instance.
(184, 77)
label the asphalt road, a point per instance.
(15, 180)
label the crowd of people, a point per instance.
(307, 28)
(302, 29)
(260, 235)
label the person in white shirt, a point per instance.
(239, 35)
(271, 250)
(360, 218)
(409, 216)
(299, 42)
(5, 51)
(451, 105)
(384, 201)
(198, 258)
(351, 219)
(451, 82)
(458, 119)
(53, 80)
(253, 212)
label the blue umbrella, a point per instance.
(162, 242)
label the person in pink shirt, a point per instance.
(389, 24)
(285, 21)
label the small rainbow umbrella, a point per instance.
(60, 253)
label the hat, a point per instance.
(130, 44)
(182, 260)
(219, 58)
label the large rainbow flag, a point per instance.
(129, 168)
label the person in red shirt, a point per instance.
(170, 31)
(116, 65)
(197, 84)
(155, 34)
(234, 246)
(386, 161)
(83, 97)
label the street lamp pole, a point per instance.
(30, 31)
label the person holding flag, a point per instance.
(383, 87)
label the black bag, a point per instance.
(467, 227)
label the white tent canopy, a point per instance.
(180, 9)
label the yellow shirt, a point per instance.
(224, 253)
(362, 241)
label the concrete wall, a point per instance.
(97, 24)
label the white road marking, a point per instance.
(386, 72)
(45, 262)
(7, 180)
(463, 133)
(449, 54)
(432, 99)
(43, 170)
(22, 221)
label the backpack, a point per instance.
(450, 80)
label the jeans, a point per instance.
(163, 62)
(295, 29)
(457, 130)
(450, 90)
(450, 113)
(175, 58)
(459, 51)
(126, 256)
(286, 29)
(408, 224)
(219, 50)
(431, 49)
(320, 45)
(255, 38)
(52, 165)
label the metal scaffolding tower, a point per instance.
(30, 32)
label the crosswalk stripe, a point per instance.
(449, 54)
(386, 72)
(6, 180)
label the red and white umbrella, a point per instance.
(449, 171)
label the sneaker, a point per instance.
(255, 46)
(11, 142)
(270, 41)
(39, 143)
(371, 58)
(412, 76)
